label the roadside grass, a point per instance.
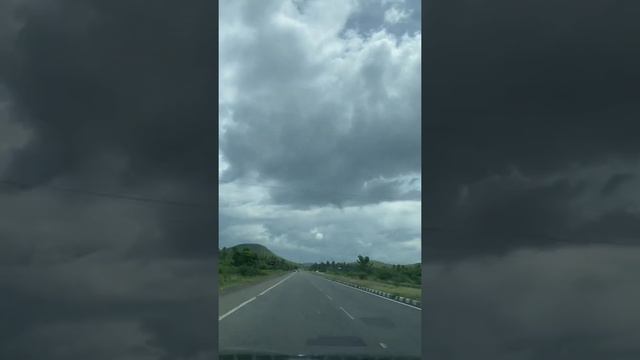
(411, 292)
(230, 281)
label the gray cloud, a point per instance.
(615, 182)
(562, 303)
(108, 97)
(319, 129)
(530, 191)
(287, 127)
(388, 231)
(535, 87)
(505, 95)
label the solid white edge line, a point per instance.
(278, 283)
(236, 308)
(345, 311)
(366, 292)
(253, 298)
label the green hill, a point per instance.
(261, 250)
(380, 264)
(246, 263)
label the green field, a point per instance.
(230, 281)
(411, 292)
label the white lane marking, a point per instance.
(382, 297)
(278, 283)
(345, 311)
(329, 297)
(236, 308)
(253, 298)
(382, 345)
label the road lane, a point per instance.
(307, 314)
(231, 299)
(396, 325)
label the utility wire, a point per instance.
(22, 185)
(110, 195)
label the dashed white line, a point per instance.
(345, 311)
(328, 297)
(382, 345)
(236, 308)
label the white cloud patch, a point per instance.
(395, 15)
(317, 234)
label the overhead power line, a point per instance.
(22, 185)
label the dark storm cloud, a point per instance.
(619, 226)
(110, 97)
(530, 208)
(502, 213)
(90, 78)
(565, 303)
(615, 182)
(536, 87)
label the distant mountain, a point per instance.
(380, 264)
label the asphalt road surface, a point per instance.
(304, 313)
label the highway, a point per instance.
(304, 313)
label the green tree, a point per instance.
(245, 257)
(363, 262)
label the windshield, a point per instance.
(320, 195)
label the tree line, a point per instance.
(363, 268)
(249, 263)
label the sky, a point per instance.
(530, 172)
(530, 168)
(109, 97)
(319, 128)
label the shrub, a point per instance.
(383, 275)
(246, 270)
